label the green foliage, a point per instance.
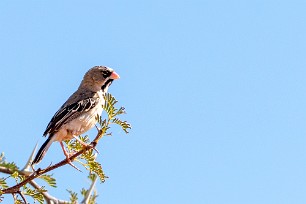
(73, 197)
(113, 114)
(92, 177)
(124, 124)
(8, 165)
(97, 169)
(3, 184)
(84, 192)
(109, 105)
(92, 198)
(18, 201)
(36, 194)
(17, 175)
(87, 159)
(49, 179)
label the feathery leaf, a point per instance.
(49, 179)
(123, 124)
(73, 196)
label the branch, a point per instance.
(46, 195)
(28, 173)
(39, 172)
(89, 192)
(50, 199)
(22, 196)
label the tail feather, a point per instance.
(43, 150)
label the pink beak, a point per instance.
(114, 75)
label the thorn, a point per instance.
(95, 156)
(71, 164)
(95, 149)
(28, 166)
(32, 167)
(89, 192)
(50, 164)
(67, 157)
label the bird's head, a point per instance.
(99, 77)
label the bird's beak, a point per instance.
(114, 75)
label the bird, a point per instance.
(79, 113)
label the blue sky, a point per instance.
(215, 91)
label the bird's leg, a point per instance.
(67, 157)
(80, 141)
(65, 151)
(84, 144)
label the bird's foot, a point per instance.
(84, 144)
(94, 148)
(71, 164)
(67, 154)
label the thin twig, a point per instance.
(48, 198)
(46, 195)
(38, 172)
(22, 196)
(89, 192)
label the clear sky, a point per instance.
(215, 91)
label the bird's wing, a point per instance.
(70, 112)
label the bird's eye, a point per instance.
(106, 73)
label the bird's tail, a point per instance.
(43, 150)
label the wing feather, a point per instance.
(69, 112)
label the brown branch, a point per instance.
(39, 172)
(22, 196)
(5, 170)
(31, 175)
(47, 196)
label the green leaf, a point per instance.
(92, 199)
(36, 194)
(74, 145)
(49, 179)
(73, 196)
(93, 196)
(120, 111)
(123, 124)
(83, 192)
(97, 169)
(109, 105)
(92, 177)
(18, 201)
(15, 175)
(10, 165)
(3, 183)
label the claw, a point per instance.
(84, 144)
(71, 164)
(67, 157)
